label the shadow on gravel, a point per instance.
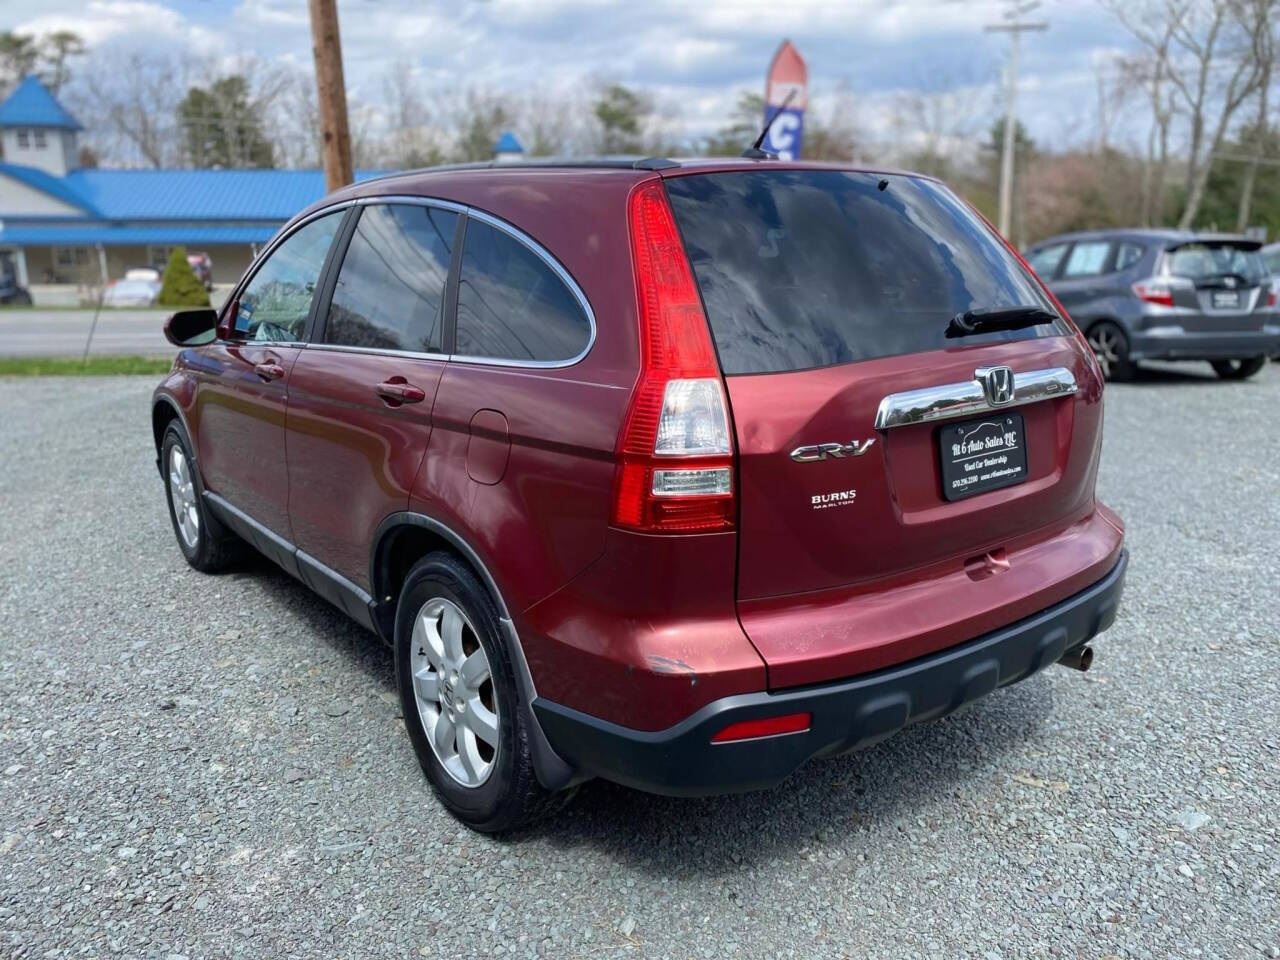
(912, 775)
(891, 786)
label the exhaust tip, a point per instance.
(1078, 658)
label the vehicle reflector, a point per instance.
(766, 727)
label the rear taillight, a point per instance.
(1272, 298)
(675, 452)
(1154, 291)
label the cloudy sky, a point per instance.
(692, 55)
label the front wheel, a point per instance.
(462, 708)
(207, 545)
(1238, 369)
(1111, 347)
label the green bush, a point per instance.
(180, 287)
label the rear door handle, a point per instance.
(270, 370)
(396, 392)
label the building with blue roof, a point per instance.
(62, 226)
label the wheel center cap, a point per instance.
(447, 696)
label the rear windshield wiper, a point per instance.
(986, 319)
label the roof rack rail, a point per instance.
(543, 163)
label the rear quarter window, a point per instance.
(811, 268)
(512, 304)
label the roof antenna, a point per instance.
(754, 152)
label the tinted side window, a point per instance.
(1045, 262)
(390, 290)
(1088, 258)
(1128, 255)
(275, 304)
(512, 305)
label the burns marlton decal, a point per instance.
(837, 498)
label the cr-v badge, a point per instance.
(820, 451)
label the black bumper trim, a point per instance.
(847, 715)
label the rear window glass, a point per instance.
(1213, 261)
(811, 268)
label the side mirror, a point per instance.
(191, 328)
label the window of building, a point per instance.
(24, 139)
(71, 256)
(158, 256)
(39, 139)
(512, 305)
(390, 290)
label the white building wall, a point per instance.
(47, 149)
(17, 199)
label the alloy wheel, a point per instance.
(453, 689)
(182, 491)
(1106, 347)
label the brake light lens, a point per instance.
(768, 727)
(675, 453)
(1272, 297)
(1153, 291)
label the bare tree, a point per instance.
(1266, 57)
(1153, 23)
(130, 108)
(1222, 37)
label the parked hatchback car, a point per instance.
(677, 474)
(1165, 295)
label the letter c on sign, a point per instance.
(782, 134)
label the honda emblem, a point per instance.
(997, 384)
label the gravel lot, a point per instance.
(214, 766)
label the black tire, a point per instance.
(511, 795)
(214, 547)
(1238, 369)
(1110, 345)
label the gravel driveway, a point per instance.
(214, 766)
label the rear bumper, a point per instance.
(682, 761)
(1174, 343)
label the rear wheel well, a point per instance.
(397, 551)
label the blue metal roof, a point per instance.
(88, 234)
(201, 194)
(32, 105)
(46, 183)
(508, 143)
(198, 196)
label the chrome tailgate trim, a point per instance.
(968, 398)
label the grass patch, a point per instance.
(75, 367)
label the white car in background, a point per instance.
(139, 287)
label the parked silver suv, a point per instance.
(1165, 295)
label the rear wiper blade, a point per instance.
(987, 319)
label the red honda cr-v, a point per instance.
(678, 474)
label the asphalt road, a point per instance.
(197, 766)
(57, 333)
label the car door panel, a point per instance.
(353, 453)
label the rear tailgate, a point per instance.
(829, 295)
(1218, 285)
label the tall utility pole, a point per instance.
(332, 92)
(1015, 26)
